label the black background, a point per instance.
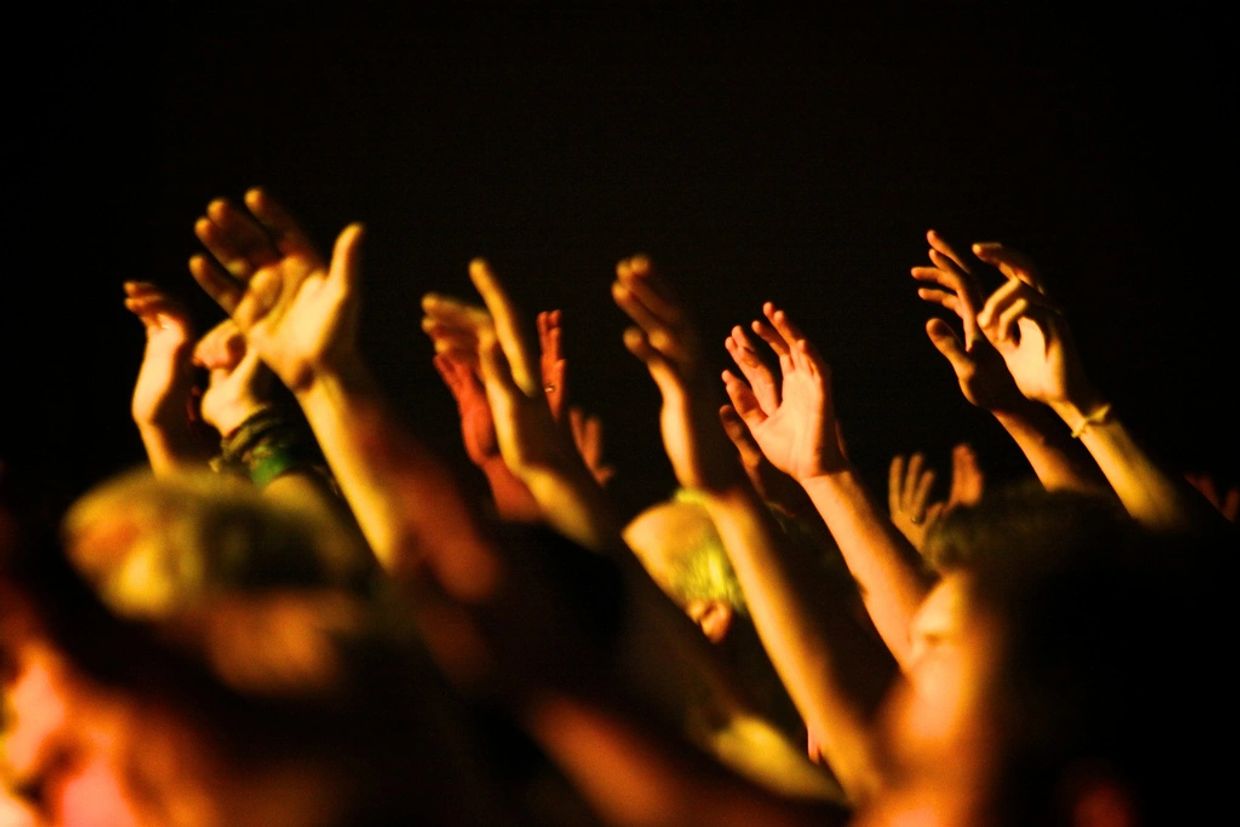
(756, 151)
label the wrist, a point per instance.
(269, 443)
(1079, 416)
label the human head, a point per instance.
(1071, 674)
(249, 703)
(678, 545)
(153, 544)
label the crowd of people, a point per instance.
(297, 615)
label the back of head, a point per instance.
(1107, 674)
(151, 544)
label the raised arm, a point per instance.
(1032, 336)
(513, 500)
(538, 451)
(163, 395)
(800, 436)
(788, 598)
(489, 624)
(299, 312)
(951, 282)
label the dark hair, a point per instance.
(1109, 665)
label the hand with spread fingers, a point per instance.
(909, 486)
(952, 284)
(1031, 334)
(908, 497)
(774, 486)
(296, 310)
(1033, 337)
(985, 377)
(793, 422)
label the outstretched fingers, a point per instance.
(943, 290)
(285, 232)
(219, 285)
(235, 239)
(507, 326)
(941, 248)
(743, 400)
(1011, 263)
(638, 276)
(760, 377)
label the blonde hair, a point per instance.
(150, 544)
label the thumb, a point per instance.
(947, 343)
(346, 264)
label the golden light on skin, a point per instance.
(61, 739)
(936, 723)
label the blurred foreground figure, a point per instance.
(229, 676)
(1065, 671)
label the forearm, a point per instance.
(786, 592)
(571, 501)
(405, 501)
(1058, 462)
(634, 776)
(170, 449)
(513, 500)
(879, 557)
(1152, 497)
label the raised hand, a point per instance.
(1031, 334)
(477, 426)
(908, 498)
(952, 284)
(588, 437)
(298, 311)
(238, 385)
(526, 433)
(794, 424)
(910, 483)
(162, 393)
(552, 364)
(667, 342)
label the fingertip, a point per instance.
(639, 264)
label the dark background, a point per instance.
(754, 150)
